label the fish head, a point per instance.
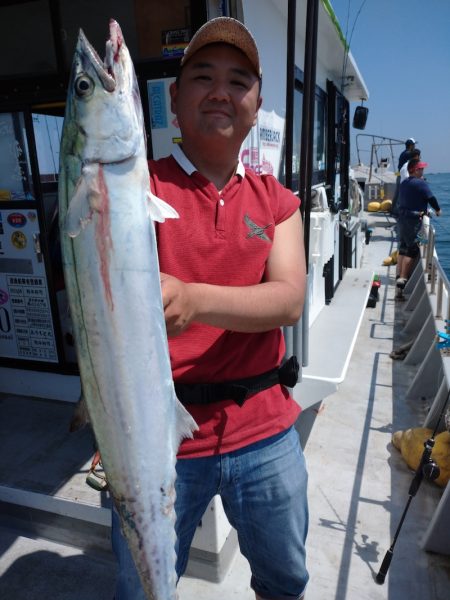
(103, 106)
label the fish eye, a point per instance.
(84, 86)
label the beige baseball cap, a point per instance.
(228, 31)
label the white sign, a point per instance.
(26, 325)
(164, 125)
(261, 151)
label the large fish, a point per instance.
(113, 285)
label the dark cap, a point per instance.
(227, 31)
(410, 141)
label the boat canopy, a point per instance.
(334, 52)
(334, 59)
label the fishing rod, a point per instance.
(427, 468)
(437, 222)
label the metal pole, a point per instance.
(293, 335)
(440, 295)
(371, 161)
(290, 88)
(306, 147)
(309, 96)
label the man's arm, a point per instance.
(275, 302)
(434, 204)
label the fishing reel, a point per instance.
(431, 470)
(428, 468)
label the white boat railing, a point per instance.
(438, 280)
(426, 303)
(377, 143)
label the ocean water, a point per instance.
(440, 186)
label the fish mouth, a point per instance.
(104, 69)
(113, 45)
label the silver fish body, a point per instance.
(113, 284)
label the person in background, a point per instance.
(404, 170)
(232, 273)
(402, 176)
(415, 196)
(404, 157)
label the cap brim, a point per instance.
(227, 31)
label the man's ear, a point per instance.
(173, 90)
(258, 106)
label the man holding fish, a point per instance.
(232, 273)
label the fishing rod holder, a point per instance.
(443, 337)
(345, 217)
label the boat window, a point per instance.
(26, 39)
(152, 29)
(163, 28)
(15, 170)
(298, 108)
(47, 134)
(320, 136)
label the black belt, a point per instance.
(240, 389)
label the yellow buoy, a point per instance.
(373, 206)
(386, 205)
(391, 259)
(410, 443)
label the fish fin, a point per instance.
(80, 211)
(185, 423)
(159, 210)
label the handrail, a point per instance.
(378, 141)
(437, 278)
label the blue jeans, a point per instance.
(263, 491)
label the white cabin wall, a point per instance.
(267, 20)
(268, 26)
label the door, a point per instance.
(30, 272)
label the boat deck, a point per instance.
(358, 484)
(358, 481)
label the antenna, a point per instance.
(347, 49)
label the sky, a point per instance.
(402, 49)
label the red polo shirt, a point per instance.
(223, 238)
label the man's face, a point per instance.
(418, 173)
(217, 96)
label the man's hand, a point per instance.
(177, 303)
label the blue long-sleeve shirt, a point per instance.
(415, 196)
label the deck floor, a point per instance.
(358, 481)
(358, 488)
